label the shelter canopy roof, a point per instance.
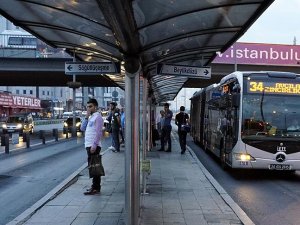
(157, 31)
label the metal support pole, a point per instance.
(27, 140)
(235, 63)
(145, 92)
(149, 119)
(74, 132)
(3, 140)
(74, 100)
(55, 134)
(132, 172)
(6, 141)
(42, 136)
(144, 124)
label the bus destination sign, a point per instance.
(273, 87)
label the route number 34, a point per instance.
(256, 86)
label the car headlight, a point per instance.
(65, 124)
(19, 125)
(78, 124)
(243, 157)
(4, 126)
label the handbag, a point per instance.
(95, 166)
(186, 128)
(156, 135)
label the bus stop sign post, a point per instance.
(185, 71)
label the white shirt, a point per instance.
(91, 131)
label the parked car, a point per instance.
(66, 115)
(68, 124)
(18, 123)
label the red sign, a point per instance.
(6, 100)
(16, 101)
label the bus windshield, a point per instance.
(270, 115)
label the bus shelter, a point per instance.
(138, 34)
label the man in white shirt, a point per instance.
(92, 125)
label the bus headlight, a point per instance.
(243, 157)
(4, 126)
(19, 125)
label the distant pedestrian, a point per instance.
(109, 129)
(92, 125)
(158, 130)
(182, 119)
(122, 130)
(160, 120)
(115, 126)
(166, 129)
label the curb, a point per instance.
(226, 197)
(26, 215)
(51, 195)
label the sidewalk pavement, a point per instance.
(180, 191)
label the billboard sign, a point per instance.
(260, 54)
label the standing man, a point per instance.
(181, 119)
(92, 125)
(166, 129)
(115, 125)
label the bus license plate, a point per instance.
(10, 130)
(279, 167)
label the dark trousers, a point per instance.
(116, 138)
(182, 139)
(122, 133)
(166, 137)
(96, 179)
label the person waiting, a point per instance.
(182, 119)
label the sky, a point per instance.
(279, 24)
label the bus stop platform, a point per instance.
(179, 191)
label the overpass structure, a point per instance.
(138, 34)
(240, 56)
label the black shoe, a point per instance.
(160, 150)
(91, 188)
(92, 192)
(183, 151)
